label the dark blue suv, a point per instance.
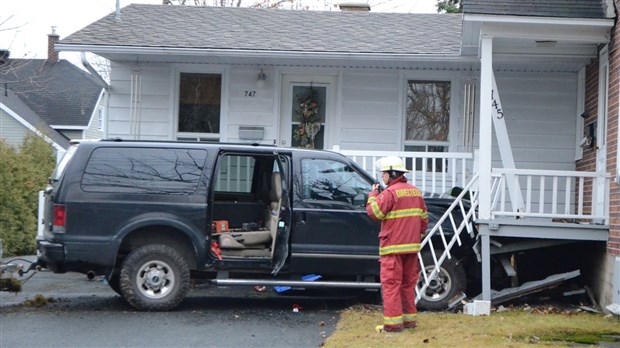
(151, 215)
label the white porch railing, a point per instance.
(552, 194)
(439, 253)
(431, 172)
(548, 194)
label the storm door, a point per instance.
(307, 112)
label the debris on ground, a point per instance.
(614, 308)
(10, 285)
(38, 301)
(7, 270)
(505, 295)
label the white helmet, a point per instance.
(390, 163)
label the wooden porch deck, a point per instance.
(541, 229)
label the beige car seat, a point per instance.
(256, 239)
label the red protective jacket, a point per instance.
(402, 212)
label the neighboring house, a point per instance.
(417, 85)
(50, 97)
(17, 120)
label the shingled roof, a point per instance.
(60, 93)
(15, 104)
(596, 9)
(251, 29)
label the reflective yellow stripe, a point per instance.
(401, 213)
(399, 248)
(393, 320)
(409, 317)
(376, 210)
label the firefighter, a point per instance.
(402, 212)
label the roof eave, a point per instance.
(591, 22)
(246, 53)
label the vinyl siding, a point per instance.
(370, 117)
(156, 102)
(11, 131)
(540, 110)
(249, 105)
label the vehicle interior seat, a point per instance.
(274, 208)
(259, 238)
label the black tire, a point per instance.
(449, 283)
(114, 281)
(154, 277)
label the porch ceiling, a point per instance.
(519, 40)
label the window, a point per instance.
(199, 105)
(427, 119)
(235, 174)
(331, 181)
(100, 116)
(144, 170)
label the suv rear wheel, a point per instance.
(448, 283)
(154, 277)
(114, 281)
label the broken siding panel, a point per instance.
(370, 111)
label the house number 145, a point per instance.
(250, 94)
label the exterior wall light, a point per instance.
(262, 79)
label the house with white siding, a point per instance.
(51, 98)
(492, 100)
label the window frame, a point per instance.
(455, 96)
(224, 73)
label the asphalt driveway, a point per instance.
(83, 313)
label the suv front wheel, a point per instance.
(450, 282)
(154, 277)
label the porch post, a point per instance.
(484, 162)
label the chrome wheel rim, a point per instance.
(155, 279)
(439, 286)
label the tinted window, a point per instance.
(331, 180)
(144, 170)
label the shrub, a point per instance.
(23, 173)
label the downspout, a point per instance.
(92, 70)
(106, 87)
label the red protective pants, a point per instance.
(399, 276)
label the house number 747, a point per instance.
(250, 94)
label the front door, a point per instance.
(307, 114)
